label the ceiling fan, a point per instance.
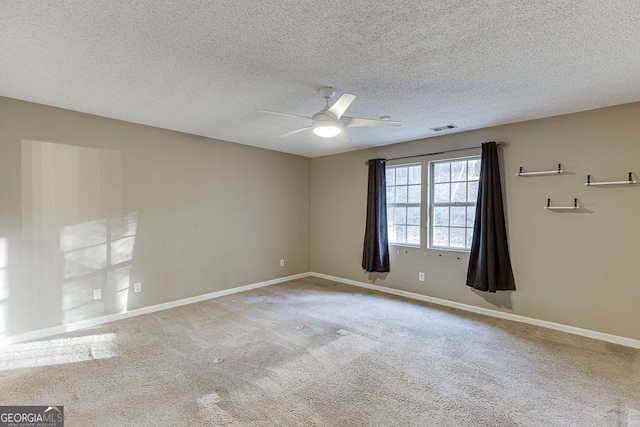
(330, 121)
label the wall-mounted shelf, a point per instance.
(630, 181)
(559, 171)
(560, 208)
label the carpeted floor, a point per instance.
(316, 353)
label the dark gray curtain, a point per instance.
(375, 254)
(489, 262)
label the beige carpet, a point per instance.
(316, 353)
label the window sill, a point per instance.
(464, 251)
(405, 245)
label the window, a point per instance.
(404, 193)
(453, 189)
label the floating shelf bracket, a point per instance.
(589, 183)
(555, 172)
(559, 208)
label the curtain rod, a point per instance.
(499, 144)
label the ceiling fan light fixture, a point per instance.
(331, 121)
(326, 130)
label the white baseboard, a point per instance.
(55, 330)
(629, 342)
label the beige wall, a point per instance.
(88, 202)
(92, 203)
(578, 269)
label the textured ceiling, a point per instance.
(204, 67)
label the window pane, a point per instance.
(469, 237)
(390, 215)
(414, 194)
(404, 186)
(401, 176)
(400, 233)
(458, 216)
(472, 192)
(413, 216)
(441, 172)
(441, 236)
(391, 176)
(458, 236)
(441, 216)
(459, 171)
(471, 216)
(391, 194)
(441, 193)
(474, 170)
(415, 174)
(452, 188)
(400, 216)
(413, 235)
(459, 192)
(401, 194)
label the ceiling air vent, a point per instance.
(441, 128)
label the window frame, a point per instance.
(432, 204)
(408, 205)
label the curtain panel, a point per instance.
(375, 254)
(489, 261)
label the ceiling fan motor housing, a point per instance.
(325, 118)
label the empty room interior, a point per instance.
(418, 213)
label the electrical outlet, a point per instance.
(421, 276)
(137, 287)
(97, 293)
(281, 263)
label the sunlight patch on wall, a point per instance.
(123, 237)
(4, 259)
(84, 248)
(79, 244)
(4, 285)
(3, 319)
(58, 351)
(97, 255)
(119, 280)
(77, 299)
(4, 253)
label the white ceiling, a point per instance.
(204, 67)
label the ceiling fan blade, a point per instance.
(277, 113)
(358, 122)
(341, 105)
(293, 132)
